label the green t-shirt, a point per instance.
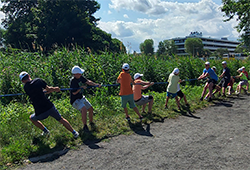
(173, 81)
(243, 77)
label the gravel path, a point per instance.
(218, 140)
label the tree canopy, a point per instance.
(241, 10)
(147, 46)
(46, 24)
(194, 46)
(167, 47)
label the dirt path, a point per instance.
(219, 140)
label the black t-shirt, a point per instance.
(34, 89)
(76, 83)
(227, 73)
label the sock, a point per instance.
(73, 132)
(45, 129)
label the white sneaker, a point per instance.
(46, 134)
(236, 92)
(76, 135)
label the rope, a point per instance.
(88, 87)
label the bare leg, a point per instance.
(143, 107)
(210, 88)
(84, 115)
(137, 111)
(91, 113)
(204, 90)
(177, 101)
(167, 98)
(66, 124)
(150, 105)
(126, 112)
(185, 99)
(37, 123)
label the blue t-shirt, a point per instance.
(211, 73)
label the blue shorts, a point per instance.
(128, 99)
(173, 95)
(53, 112)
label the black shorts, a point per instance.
(180, 94)
(212, 81)
(224, 82)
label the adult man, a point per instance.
(225, 78)
(77, 99)
(138, 97)
(213, 78)
(42, 105)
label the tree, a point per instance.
(241, 9)
(46, 24)
(147, 46)
(167, 47)
(194, 46)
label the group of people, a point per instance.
(132, 95)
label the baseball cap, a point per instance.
(176, 71)
(77, 70)
(125, 66)
(137, 75)
(23, 74)
(240, 69)
(214, 67)
(243, 67)
(224, 62)
(207, 63)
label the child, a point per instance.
(126, 91)
(138, 97)
(77, 99)
(230, 86)
(243, 82)
(172, 87)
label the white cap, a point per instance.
(176, 71)
(77, 70)
(214, 67)
(125, 66)
(240, 69)
(137, 75)
(243, 67)
(207, 63)
(23, 74)
(224, 62)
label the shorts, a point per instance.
(230, 83)
(53, 112)
(144, 100)
(80, 103)
(243, 82)
(128, 99)
(212, 81)
(223, 82)
(180, 94)
(173, 95)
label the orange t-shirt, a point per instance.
(125, 81)
(137, 90)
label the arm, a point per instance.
(50, 89)
(203, 76)
(148, 85)
(91, 83)
(239, 75)
(222, 74)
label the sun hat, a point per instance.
(176, 71)
(224, 62)
(77, 70)
(125, 66)
(137, 75)
(207, 63)
(23, 74)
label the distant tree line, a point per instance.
(44, 25)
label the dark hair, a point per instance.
(25, 77)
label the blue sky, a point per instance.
(133, 21)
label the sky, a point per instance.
(133, 21)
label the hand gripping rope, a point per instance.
(104, 85)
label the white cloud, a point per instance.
(171, 19)
(109, 12)
(125, 16)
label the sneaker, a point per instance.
(201, 99)
(187, 105)
(143, 112)
(128, 118)
(219, 95)
(205, 98)
(224, 95)
(236, 92)
(46, 134)
(209, 99)
(166, 107)
(85, 128)
(76, 135)
(141, 117)
(229, 94)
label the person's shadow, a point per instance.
(139, 129)
(185, 111)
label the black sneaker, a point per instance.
(201, 99)
(128, 118)
(187, 105)
(141, 117)
(166, 107)
(223, 95)
(209, 99)
(85, 128)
